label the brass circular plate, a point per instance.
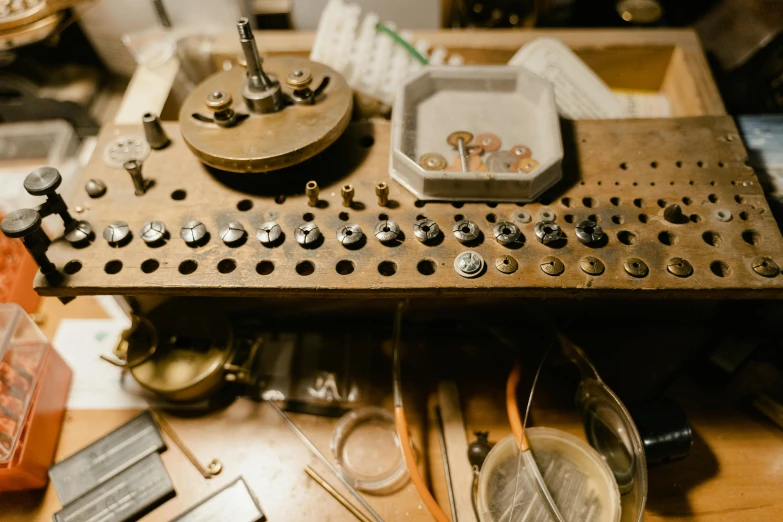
(489, 142)
(591, 265)
(636, 267)
(528, 165)
(265, 142)
(432, 161)
(506, 264)
(765, 266)
(520, 151)
(551, 265)
(679, 267)
(454, 137)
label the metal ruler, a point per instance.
(124, 497)
(106, 457)
(233, 503)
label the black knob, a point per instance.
(26, 224)
(21, 223)
(43, 181)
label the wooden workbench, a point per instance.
(733, 473)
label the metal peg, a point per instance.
(139, 183)
(347, 191)
(153, 131)
(382, 191)
(312, 191)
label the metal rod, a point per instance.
(325, 461)
(213, 468)
(256, 77)
(396, 378)
(336, 494)
(446, 467)
(463, 158)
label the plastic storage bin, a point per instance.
(34, 383)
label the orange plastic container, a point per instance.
(17, 270)
(34, 384)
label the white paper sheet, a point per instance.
(96, 385)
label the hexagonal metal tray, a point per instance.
(622, 173)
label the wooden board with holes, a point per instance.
(622, 173)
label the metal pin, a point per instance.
(153, 131)
(446, 468)
(347, 191)
(213, 468)
(312, 191)
(336, 494)
(325, 461)
(134, 169)
(382, 191)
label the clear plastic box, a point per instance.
(23, 350)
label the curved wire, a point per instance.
(401, 422)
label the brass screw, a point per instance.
(218, 100)
(347, 192)
(299, 79)
(311, 190)
(382, 191)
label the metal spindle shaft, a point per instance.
(256, 77)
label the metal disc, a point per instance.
(466, 231)
(232, 232)
(592, 265)
(501, 161)
(765, 266)
(193, 232)
(426, 230)
(520, 151)
(125, 148)
(153, 231)
(528, 165)
(432, 161)
(506, 233)
(489, 142)
(551, 265)
(78, 231)
(636, 267)
(265, 142)
(506, 264)
(679, 267)
(453, 138)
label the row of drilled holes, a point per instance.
(304, 268)
(245, 205)
(265, 267)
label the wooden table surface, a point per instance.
(734, 472)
